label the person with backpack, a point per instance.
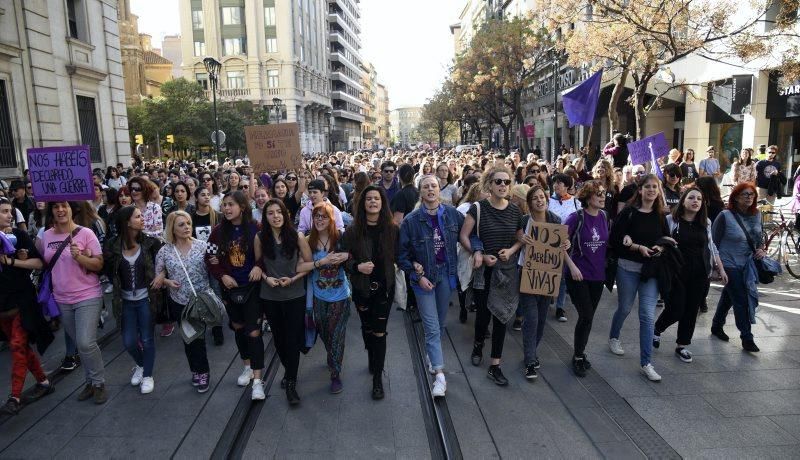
(563, 205)
(585, 272)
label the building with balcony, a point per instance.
(61, 81)
(268, 49)
(370, 97)
(346, 74)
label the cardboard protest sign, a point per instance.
(273, 147)
(61, 173)
(544, 261)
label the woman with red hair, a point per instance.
(331, 289)
(737, 233)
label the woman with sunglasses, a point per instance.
(633, 237)
(231, 259)
(672, 185)
(604, 172)
(331, 289)
(372, 242)
(737, 255)
(585, 267)
(691, 228)
(296, 184)
(286, 258)
(207, 182)
(428, 245)
(497, 222)
(142, 191)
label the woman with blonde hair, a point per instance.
(494, 221)
(180, 266)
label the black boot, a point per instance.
(477, 353)
(378, 354)
(291, 393)
(377, 386)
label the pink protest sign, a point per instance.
(61, 173)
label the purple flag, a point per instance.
(580, 103)
(649, 150)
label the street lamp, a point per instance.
(556, 137)
(276, 104)
(213, 67)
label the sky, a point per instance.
(408, 41)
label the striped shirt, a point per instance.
(498, 228)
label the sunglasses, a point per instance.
(534, 171)
(388, 171)
(600, 194)
(502, 181)
(291, 178)
(639, 173)
(245, 186)
(208, 179)
(675, 175)
(135, 189)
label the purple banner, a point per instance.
(580, 103)
(649, 150)
(61, 173)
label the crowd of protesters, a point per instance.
(356, 232)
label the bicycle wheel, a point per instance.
(790, 242)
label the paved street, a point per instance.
(726, 404)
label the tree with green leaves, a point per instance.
(438, 117)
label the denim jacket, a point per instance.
(416, 243)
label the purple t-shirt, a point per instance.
(438, 240)
(590, 258)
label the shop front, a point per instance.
(728, 103)
(783, 111)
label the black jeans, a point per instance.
(483, 316)
(683, 304)
(248, 337)
(585, 296)
(195, 351)
(374, 314)
(287, 320)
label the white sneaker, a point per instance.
(651, 373)
(439, 386)
(136, 378)
(258, 390)
(616, 347)
(246, 377)
(147, 385)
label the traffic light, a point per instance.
(139, 139)
(170, 138)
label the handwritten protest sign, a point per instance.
(273, 147)
(61, 173)
(544, 261)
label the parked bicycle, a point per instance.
(781, 238)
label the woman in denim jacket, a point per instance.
(428, 239)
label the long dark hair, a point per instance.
(288, 233)
(247, 220)
(702, 214)
(121, 218)
(711, 194)
(385, 220)
(658, 205)
(333, 190)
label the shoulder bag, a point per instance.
(45, 297)
(203, 309)
(766, 274)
